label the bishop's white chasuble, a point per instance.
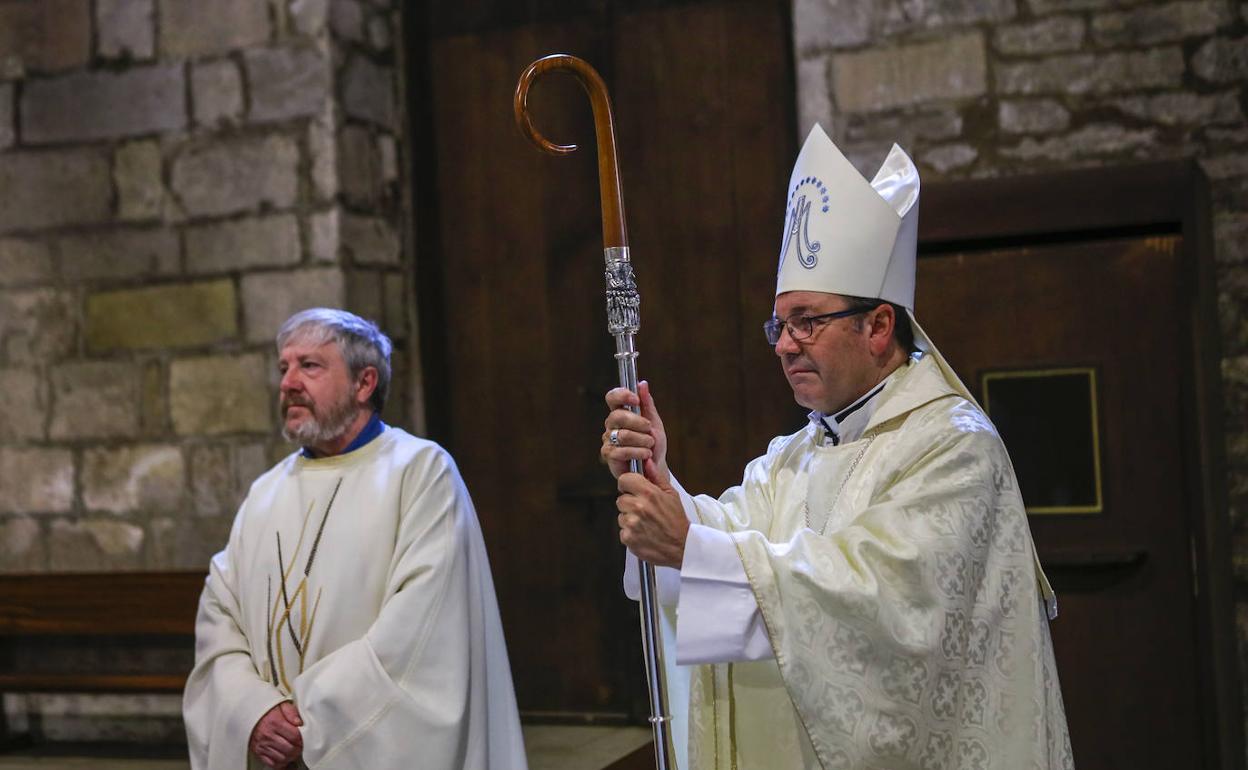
(356, 586)
(896, 578)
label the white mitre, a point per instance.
(843, 235)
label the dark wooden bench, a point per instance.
(82, 612)
(64, 612)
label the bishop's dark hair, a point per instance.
(902, 330)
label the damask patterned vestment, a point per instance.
(897, 581)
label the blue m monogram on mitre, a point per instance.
(797, 231)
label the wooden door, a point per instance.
(705, 134)
(1126, 639)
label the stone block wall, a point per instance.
(997, 87)
(979, 88)
(176, 178)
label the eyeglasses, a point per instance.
(802, 326)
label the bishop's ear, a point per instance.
(881, 325)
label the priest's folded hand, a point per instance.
(637, 436)
(275, 739)
(652, 521)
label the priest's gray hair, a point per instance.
(359, 341)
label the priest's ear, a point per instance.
(365, 384)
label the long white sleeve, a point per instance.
(718, 619)
(431, 674)
(225, 695)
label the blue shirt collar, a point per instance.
(371, 431)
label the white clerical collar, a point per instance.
(848, 424)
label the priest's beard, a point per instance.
(320, 426)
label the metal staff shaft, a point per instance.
(623, 322)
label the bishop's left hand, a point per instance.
(652, 521)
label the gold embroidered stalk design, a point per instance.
(281, 614)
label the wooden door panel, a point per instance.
(709, 176)
(1125, 637)
(511, 236)
(704, 147)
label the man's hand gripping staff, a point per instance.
(652, 520)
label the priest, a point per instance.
(868, 596)
(351, 619)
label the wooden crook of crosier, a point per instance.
(614, 232)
